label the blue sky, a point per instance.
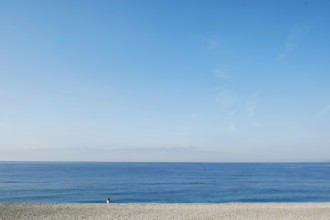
(221, 81)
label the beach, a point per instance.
(164, 211)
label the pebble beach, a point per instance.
(164, 211)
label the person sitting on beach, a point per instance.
(108, 200)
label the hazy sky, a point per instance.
(165, 80)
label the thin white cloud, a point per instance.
(222, 74)
(323, 111)
(255, 124)
(192, 116)
(251, 108)
(226, 99)
(182, 130)
(209, 42)
(293, 40)
(157, 149)
(232, 124)
(212, 44)
(251, 104)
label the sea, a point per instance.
(94, 182)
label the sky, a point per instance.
(165, 81)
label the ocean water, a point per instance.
(164, 182)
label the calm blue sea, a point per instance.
(164, 182)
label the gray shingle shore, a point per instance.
(164, 211)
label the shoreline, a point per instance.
(311, 210)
